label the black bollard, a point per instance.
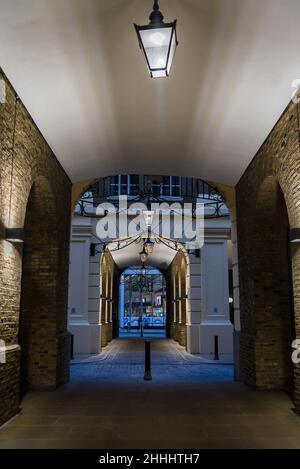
(216, 348)
(72, 347)
(147, 376)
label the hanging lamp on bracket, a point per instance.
(14, 235)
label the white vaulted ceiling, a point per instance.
(77, 67)
(128, 256)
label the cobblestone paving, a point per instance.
(124, 359)
(163, 351)
(161, 373)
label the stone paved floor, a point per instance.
(170, 362)
(108, 405)
(163, 351)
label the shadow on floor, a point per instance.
(108, 406)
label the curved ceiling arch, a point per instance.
(78, 69)
(128, 256)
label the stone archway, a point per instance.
(177, 282)
(178, 275)
(43, 338)
(193, 329)
(108, 272)
(110, 278)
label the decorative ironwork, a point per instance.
(140, 282)
(101, 247)
(153, 192)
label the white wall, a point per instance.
(83, 308)
(215, 297)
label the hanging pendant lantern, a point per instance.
(143, 255)
(149, 246)
(158, 41)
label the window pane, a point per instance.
(156, 187)
(176, 191)
(114, 185)
(114, 180)
(167, 185)
(172, 52)
(176, 186)
(134, 184)
(124, 184)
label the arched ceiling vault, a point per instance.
(161, 257)
(78, 69)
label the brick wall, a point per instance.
(268, 204)
(40, 199)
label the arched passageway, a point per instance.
(178, 283)
(143, 305)
(197, 286)
(37, 310)
(41, 325)
(35, 328)
(144, 299)
(273, 294)
(268, 320)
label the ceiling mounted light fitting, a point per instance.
(158, 41)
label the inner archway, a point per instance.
(139, 299)
(142, 303)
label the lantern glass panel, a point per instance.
(172, 52)
(156, 43)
